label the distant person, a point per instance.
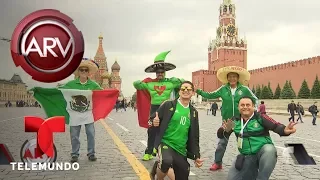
(291, 109)
(262, 108)
(300, 112)
(208, 107)
(214, 108)
(314, 111)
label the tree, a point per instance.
(293, 92)
(315, 91)
(270, 92)
(286, 92)
(277, 92)
(304, 92)
(134, 97)
(258, 91)
(253, 90)
(265, 93)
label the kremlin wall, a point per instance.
(295, 71)
(228, 49)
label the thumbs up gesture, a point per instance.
(156, 120)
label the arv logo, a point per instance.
(47, 45)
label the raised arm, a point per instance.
(139, 85)
(176, 82)
(273, 125)
(251, 94)
(210, 95)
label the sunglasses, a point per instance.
(186, 88)
(84, 70)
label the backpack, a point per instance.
(310, 109)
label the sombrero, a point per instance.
(244, 75)
(90, 64)
(160, 64)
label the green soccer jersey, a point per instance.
(176, 135)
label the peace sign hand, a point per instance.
(290, 129)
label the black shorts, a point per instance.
(170, 158)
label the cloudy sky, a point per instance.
(135, 31)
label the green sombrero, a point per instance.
(160, 64)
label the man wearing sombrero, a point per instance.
(151, 93)
(235, 80)
(83, 82)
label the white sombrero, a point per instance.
(244, 75)
(90, 64)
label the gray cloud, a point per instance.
(136, 31)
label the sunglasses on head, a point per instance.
(186, 88)
(84, 70)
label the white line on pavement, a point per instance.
(125, 129)
(110, 118)
(17, 117)
(313, 155)
(145, 144)
(304, 139)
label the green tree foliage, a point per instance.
(265, 93)
(253, 90)
(258, 91)
(287, 92)
(270, 91)
(304, 92)
(134, 97)
(294, 93)
(277, 92)
(315, 91)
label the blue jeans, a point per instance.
(256, 167)
(221, 149)
(314, 115)
(75, 139)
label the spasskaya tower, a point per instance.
(227, 49)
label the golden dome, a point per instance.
(105, 75)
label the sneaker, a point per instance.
(215, 167)
(147, 157)
(154, 170)
(154, 153)
(74, 159)
(92, 158)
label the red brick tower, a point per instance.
(101, 59)
(115, 76)
(227, 49)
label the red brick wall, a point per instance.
(207, 80)
(296, 71)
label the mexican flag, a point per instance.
(79, 107)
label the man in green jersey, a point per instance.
(234, 80)
(178, 137)
(258, 156)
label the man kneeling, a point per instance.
(178, 137)
(258, 156)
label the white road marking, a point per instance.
(305, 139)
(145, 144)
(125, 129)
(283, 148)
(17, 117)
(110, 118)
